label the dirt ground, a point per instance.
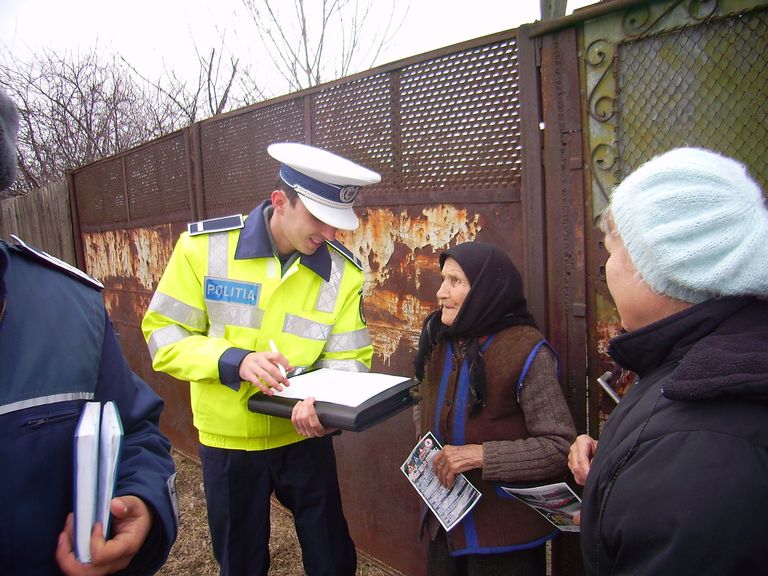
(192, 554)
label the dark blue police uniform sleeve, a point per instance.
(146, 467)
(229, 367)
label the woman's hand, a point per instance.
(580, 457)
(453, 460)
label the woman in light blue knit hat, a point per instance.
(679, 482)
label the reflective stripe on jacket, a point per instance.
(209, 302)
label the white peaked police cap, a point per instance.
(326, 183)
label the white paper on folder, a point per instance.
(339, 386)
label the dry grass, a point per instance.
(192, 554)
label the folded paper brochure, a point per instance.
(351, 401)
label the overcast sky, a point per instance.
(151, 34)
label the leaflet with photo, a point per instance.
(556, 502)
(449, 505)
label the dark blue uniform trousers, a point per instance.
(238, 487)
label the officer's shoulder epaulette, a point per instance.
(222, 224)
(53, 262)
(344, 251)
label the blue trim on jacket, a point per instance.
(468, 523)
(255, 242)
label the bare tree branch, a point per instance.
(311, 43)
(75, 110)
(78, 108)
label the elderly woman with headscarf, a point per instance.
(490, 394)
(679, 481)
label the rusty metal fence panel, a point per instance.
(459, 121)
(359, 119)
(157, 180)
(237, 173)
(139, 187)
(100, 195)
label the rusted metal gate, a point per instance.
(654, 75)
(515, 139)
(657, 75)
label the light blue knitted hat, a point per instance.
(695, 225)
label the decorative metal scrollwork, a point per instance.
(702, 9)
(601, 97)
(639, 21)
(605, 159)
(603, 40)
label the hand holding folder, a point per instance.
(351, 401)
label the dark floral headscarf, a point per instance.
(495, 301)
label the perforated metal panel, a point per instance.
(138, 187)
(704, 85)
(237, 171)
(100, 194)
(446, 123)
(460, 120)
(157, 181)
(359, 121)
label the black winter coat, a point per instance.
(679, 482)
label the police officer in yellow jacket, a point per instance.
(233, 286)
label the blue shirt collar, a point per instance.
(256, 242)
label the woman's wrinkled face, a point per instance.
(453, 290)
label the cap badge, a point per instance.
(348, 193)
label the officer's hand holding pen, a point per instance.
(263, 370)
(304, 417)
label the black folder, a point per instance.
(375, 409)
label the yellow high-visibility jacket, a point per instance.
(223, 295)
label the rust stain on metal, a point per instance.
(608, 323)
(382, 229)
(127, 259)
(129, 262)
(398, 319)
(396, 249)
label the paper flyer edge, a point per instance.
(519, 493)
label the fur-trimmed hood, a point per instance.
(720, 346)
